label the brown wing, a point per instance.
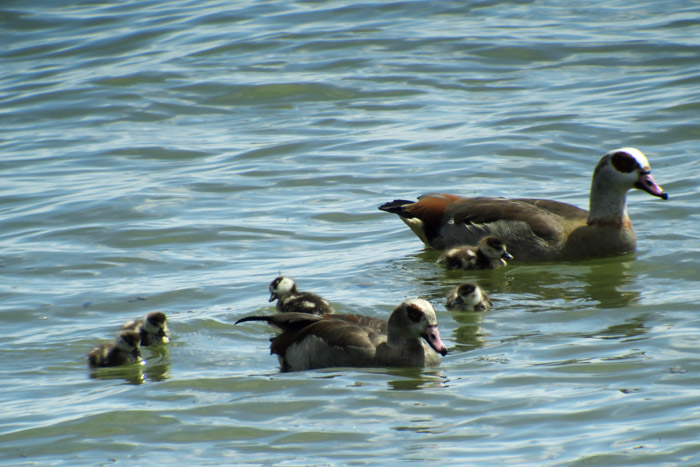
(347, 343)
(568, 211)
(544, 217)
(378, 324)
(429, 208)
(339, 333)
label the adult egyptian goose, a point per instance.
(468, 297)
(125, 349)
(290, 300)
(152, 328)
(411, 339)
(539, 229)
(490, 253)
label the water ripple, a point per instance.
(179, 156)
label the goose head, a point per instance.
(415, 318)
(466, 297)
(155, 324)
(494, 248)
(617, 172)
(129, 342)
(628, 168)
(282, 286)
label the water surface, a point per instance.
(178, 156)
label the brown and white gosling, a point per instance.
(124, 350)
(490, 253)
(290, 300)
(468, 297)
(152, 329)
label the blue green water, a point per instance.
(178, 156)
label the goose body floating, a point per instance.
(410, 338)
(540, 229)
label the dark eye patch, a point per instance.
(623, 162)
(130, 339)
(496, 243)
(414, 313)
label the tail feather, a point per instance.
(253, 318)
(285, 321)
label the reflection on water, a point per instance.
(469, 334)
(188, 152)
(411, 379)
(631, 328)
(602, 283)
(154, 367)
(157, 365)
(132, 373)
(606, 281)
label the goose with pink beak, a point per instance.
(540, 229)
(410, 338)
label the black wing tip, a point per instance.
(395, 206)
(252, 318)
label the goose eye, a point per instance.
(414, 313)
(623, 162)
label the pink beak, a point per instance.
(432, 337)
(647, 183)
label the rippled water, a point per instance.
(178, 155)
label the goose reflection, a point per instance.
(412, 379)
(132, 374)
(154, 367)
(607, 282)
(604, 283)
(632, 328)
(158, 363)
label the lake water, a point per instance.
(179, 155)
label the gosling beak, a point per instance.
(273, 297)
(163, 334)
